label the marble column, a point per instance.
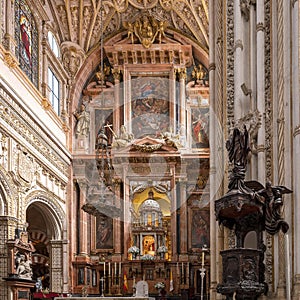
(127, 96)
(117, 220)
(215, 96)
(238, 61)
(183, 218)
(182, 99)
(116, 113)
(173, 98)
(9, 41)
(57, 263)
(260, 84)
(126, 208)
(83, 218)
(173, 214)
(296, 142)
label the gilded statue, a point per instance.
(146, 29)
(102, 74)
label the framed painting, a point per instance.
(150, 106)
(104, 232)
(200, 228)
(200, 127)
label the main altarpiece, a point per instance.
(142, 168)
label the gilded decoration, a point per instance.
(80, 23)
(146, 29)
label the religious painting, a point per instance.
(27, 40)
(104, 119)
(200, 127)
(150, 106)
(25, 35)
(148, 244)
(200, 228)
(104, 232)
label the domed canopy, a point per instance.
(150, 204)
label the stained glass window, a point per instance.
(27, 40)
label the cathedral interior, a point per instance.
(114, 122)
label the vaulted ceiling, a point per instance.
(80, 21)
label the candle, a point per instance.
(109, 269)
(115, 268)
(182, 272)
(177, 268)
(120, 268)
(104, 268)
(202, 258)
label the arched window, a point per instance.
(27, 40)
(54, 91)
(53, 43)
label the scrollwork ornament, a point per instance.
(166, 4)
(121, 5)
(143, 4)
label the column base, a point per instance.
(296, 287)
(281, 293)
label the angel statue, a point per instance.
(273, 202)
(102, 74)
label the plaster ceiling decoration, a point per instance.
(79, 21)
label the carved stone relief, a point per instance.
(29, 131)
(72, 57)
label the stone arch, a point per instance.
(50, 210)
(46, 224)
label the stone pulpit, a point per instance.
(248, 207)
(20, 272)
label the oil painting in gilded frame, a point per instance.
(150, 106)
(200, 228)
(200, 127)
(104, 232)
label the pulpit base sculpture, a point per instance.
(247, 207)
